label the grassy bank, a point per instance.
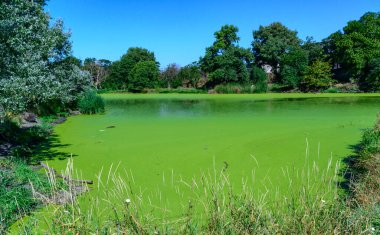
(314, 206)
(16, 196)
(23, 187)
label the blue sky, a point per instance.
(179, 31)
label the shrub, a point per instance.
(318, 77)
(228, 89)
(91, 103)
(370, 80)
(180, 91)
(260, 79)
(16, 197)
(332, 90)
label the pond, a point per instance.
(156, 141)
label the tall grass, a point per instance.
(311, 204)
(235, 89)
(91, 103)
(16, 198)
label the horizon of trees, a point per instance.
(349, 56)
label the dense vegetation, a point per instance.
(346, 61)
(16, 196)
(37, 70)
(38, 75)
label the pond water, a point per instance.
(158, 140)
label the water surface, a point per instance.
(161, 139)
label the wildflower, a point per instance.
(127, 200)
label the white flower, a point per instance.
(127, 200)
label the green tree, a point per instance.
(293, 67)
(36, 71)
(225, 61)
(190, 75)
(260, 79)
(370, 79)
(144, 75)
(119, 75)
(314, 49)
(169, 76)
(271, 42)
(318, 76)
(358, 44)
(226, 37)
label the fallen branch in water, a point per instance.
(53, 171)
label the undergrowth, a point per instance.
(91, 103)
(16, 198)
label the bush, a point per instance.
(16, 197)
(332, 90)
(370, 80)
(228, 89)
(318, 77)
(180, 91)
(91, 103)
(260, 79)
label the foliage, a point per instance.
(189, 75)
(144, 75)
(91, 103)
(181, 91)
(314, 49)
(169, 76)
(119, 76)
(16, 199)
(271, 42)
(98, 69)
(232, 88)
(293, 67)
(23, 141)
(363, 173)
(358, 44)
(259, 79)
(34, 67)
(317, 77)
(225, 61)
(370, 79)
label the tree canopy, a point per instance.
(225, 61)
(271, 42)
(120, 71)
(35, 67)
(144, 75)
(358, 43)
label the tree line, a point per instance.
(38, 71)
(348, 61)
